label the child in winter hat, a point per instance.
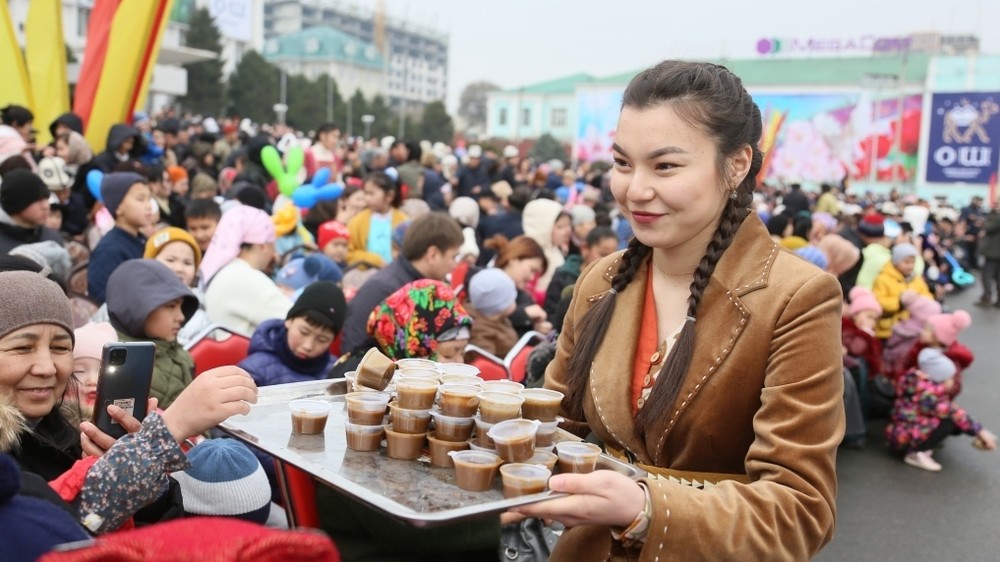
(299, 273)
(943, 329)
(87, 355)
(332, 239)
(225, 480)
(127, 197)
(813, 255)
(906, 332)
(864, 309)
(492, 296)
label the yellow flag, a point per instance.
(14, 87)
(45, 54)
(130, 32)
(155, 54)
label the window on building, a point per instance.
(502, 118)
(559, 117)
(82, 21)
(526, 117)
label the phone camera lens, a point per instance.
(117, 357)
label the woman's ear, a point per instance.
(739, 165)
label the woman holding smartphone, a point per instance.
(123, 476)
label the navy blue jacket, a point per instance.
(116, 247)
(384, 283)
(270, 361)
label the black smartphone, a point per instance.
(124, 380)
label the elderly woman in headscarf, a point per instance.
(238, 292)
(422, 319)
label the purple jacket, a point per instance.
(270, 361)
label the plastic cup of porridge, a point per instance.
(459, 400)
(458, 369)
(475, 471)
(375, 370)
(451, 428)
(522, 479)
(510, 387)
(364, 437)
(309, 416)
(416, 393)
(366, 408)
(577, 457)
(439, 450)
(541, 404)
(405, 420)
(499, 406)
(515, 439)
(404, 446)
(547, 432)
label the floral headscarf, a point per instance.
(409, 322)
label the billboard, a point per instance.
(597, 119)
(964, 137)
(234, 18)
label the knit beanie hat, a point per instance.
(935, 364)
(581, 214)
(54, 259)
(27, 299)
(177, 173)
(53, 172)
(813, 255)
(225, 479)
(465, 210)
(491, 291)
(239, 225)
(32, 526)
(114, 188)
(921, 308)
(946, 327)
(90, 340)
(863, 299)
(841, 254)
(170, 234)
(299, 273)
(20, 189)
(872, 226)
(325, 298)
(902, 251)
(330, 231)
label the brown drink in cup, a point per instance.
(541, 404)
(521, 479)
(309, 416)
(475, 471)
(515, 439)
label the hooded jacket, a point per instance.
(539, 218)
(71, 120)
(12, 235)
(270, 361)
(107, 161)
(137, 289)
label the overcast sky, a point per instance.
(519, 42)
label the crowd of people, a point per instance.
(178, 224)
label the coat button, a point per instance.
(647, 380)
(640, 402)
(655, 357)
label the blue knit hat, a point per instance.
(225, 479)
(31, 525)
(813, 255)
(301, 272)
(114, 188)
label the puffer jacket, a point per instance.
(270, 361)
(539, 218)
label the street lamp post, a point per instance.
(368, 119)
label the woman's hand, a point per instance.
(95, 442)
(535, 313)
(212, 397)
(603, 497)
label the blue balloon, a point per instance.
(329, 192)
(562, 194)
(94, 178)
(321, 177)
(304, 197)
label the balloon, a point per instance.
(562, 194)
(272, 162)
(392, 173)
(305, 197)
(294, 159)
(321, 178)
(94, 178)
(287, 184)
(329, 192)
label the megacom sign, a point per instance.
(964, 137)
(805, 46)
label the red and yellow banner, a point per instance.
(45, 55)
(15, 87)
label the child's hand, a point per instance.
(985, 440)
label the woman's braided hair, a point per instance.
(713, 99)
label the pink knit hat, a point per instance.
(946, 327)
(239, 225)
(921, 309)
(90, 340)
(861, 300)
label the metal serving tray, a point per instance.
(412, 491)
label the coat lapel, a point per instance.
(611, 373)
(722, 318)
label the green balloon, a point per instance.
(294, 159)
(272, 162)
(287, 184)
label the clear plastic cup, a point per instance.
(458, 369)
(364, 437)
(405, 420)
(309, 416)
(416, 363)
(439, 450)
(482, 433)
(418, 373)
(366, 408)
(541, 404)
(547, 459)
(459, 400)
(475, 471)
(503, 386)
(577, 457)
(451, 428)
(375, 370)
(522, 479)
(547, 432)
(416, 393)
(475, 447)
(404, 446)
(499, 406)
(462, 379)
(515, 439)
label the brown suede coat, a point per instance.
(763, 397)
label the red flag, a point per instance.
(98, 34)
